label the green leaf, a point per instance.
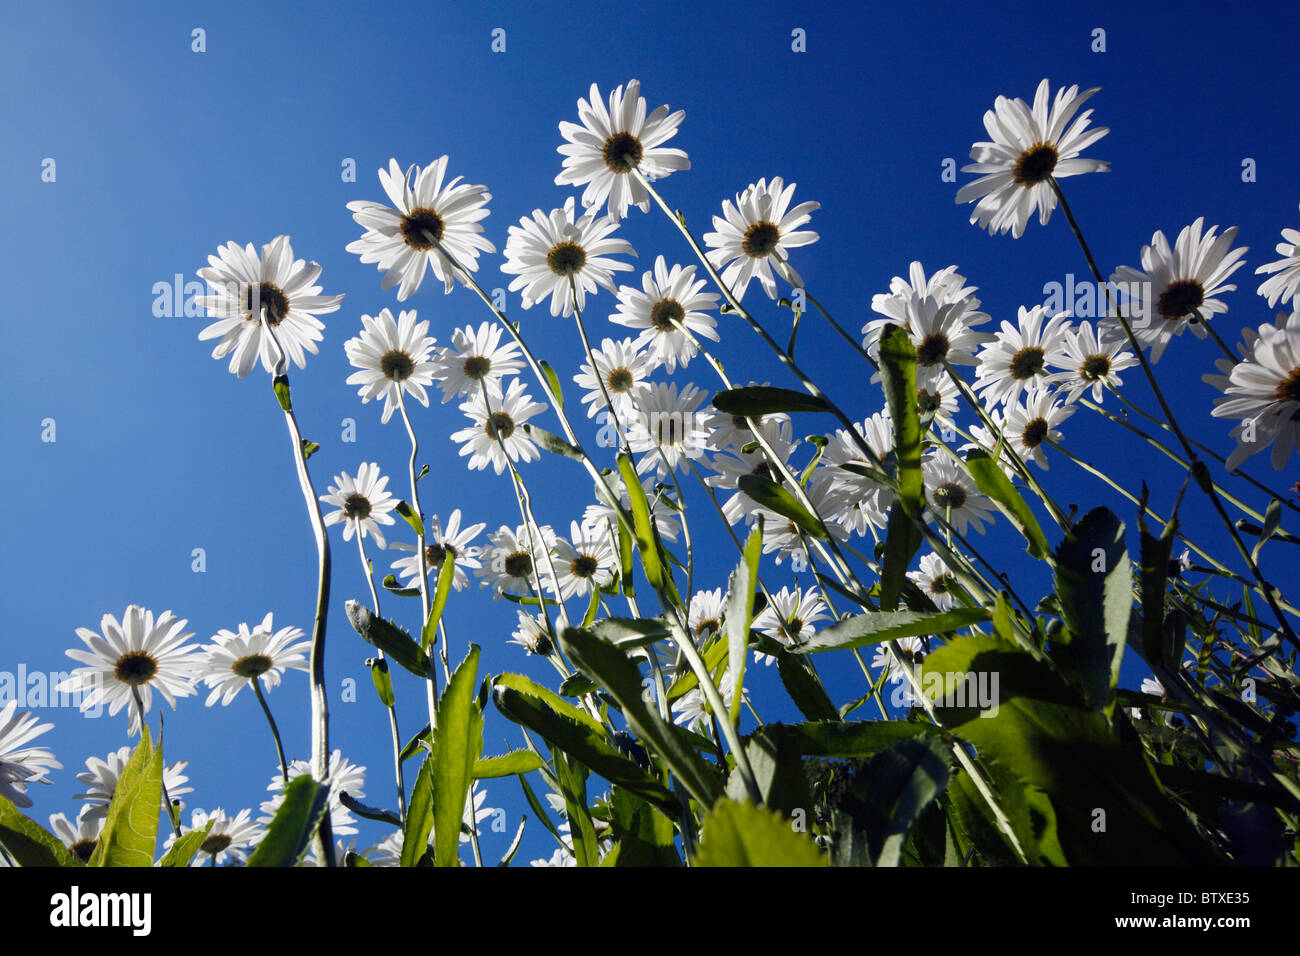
(741, 834)
(554, 443)
(183, 850)
(578, 685)
(305, 800)
(410, 517)
(382, 680)
(130, 833)
(647, 535)
(898, 372)
(390, 584)
(848, 738)
(629, 632)
(990, 479)
(740, 613)
(1155, 573)
(281, 386)
(875, 627)
(642, 835)
(419, 816)
(554, 381)
(370, 813)
(752, 401)
(777, 763)
(529, 688)
(415, 744)
(610, 667)
(1272, 518)
(902, 541)
(583, 744)
(389, 638)
(1094, 582)
(507, 765)
(446, 577)
(457, 743)
(778, 498)
(805, 687)
(309, 448)
(573, 785)
(28, 842)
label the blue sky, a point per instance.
(162, 154)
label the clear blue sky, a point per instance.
(163, 154)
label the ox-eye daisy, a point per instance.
(1263, 393)
(758, 232)
(668, 301)
(363, 503)
(497, 422)
(393, 357)
(237, 657)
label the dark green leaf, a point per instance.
(752, 401)
(875, 627)
(990, 479)
(553, 443)
(410, 517)
(778, 498)
(28, 842)
(390, 639)
(741, 834)
(294, 823)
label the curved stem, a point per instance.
(275, 731)
(422, 568)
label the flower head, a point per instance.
(80, 837)
(21, 764)
(497, 422)
(558, 255)
(440, 545)
(610, 143)
(1284, 281)
(363, 503)
(243, 286)
(396, 238)
(667, 427)
(101, 776)
(1263, 393)
(1177, 287)
(668, 301)
(394, 357)
(757, 232)
(1030, 147)
(237, 657)
(475, 357)
(1089, 360)
(1017, 358)
(229, 839)
(137, 655)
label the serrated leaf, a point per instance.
(610, 667)
(898, 373)
(419, 816)
(780, 499)
(875, 627)
(628, 632)
(554, 443)
(383, 681)
(130, 833)
(805, 687)
(990, 479)
(528, 687)
(1094, 581)
(507, 765)
(902, 541)
(741, 834)
(28, 842)
(416, 744)
(394, 642)
(457, 743)
(184, 849)
(291, 829)
(752, 401)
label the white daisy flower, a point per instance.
(623, 369)
(734, 463)
(910, 646)
(508, 560)
(932, 578)
(455, 541)
(937, 394)
(21, 764)
(1017, 358)
(1284, 283)
(532, 635)
(394, 357)
(545, 252)
(235, 658)
(666, 427)
(611, 142)
(584, 561)
(395, 235)
(1178, 285)
(1032, 423)
(946, 287)
(705, 614)
(345, 777)
(79, 837)
(857, 502)
(950, 491)
(243, 284)
(758, 231)
(1029, 146)
(496, 419)
(789, 618)
(475, 813)
(475, 357)
(387, 852)
(100, 779)
(1263, 393)
(230, 838)
(363, 503)
(667, 301)
(138, 653)
(562, 857)
(1089, 361)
